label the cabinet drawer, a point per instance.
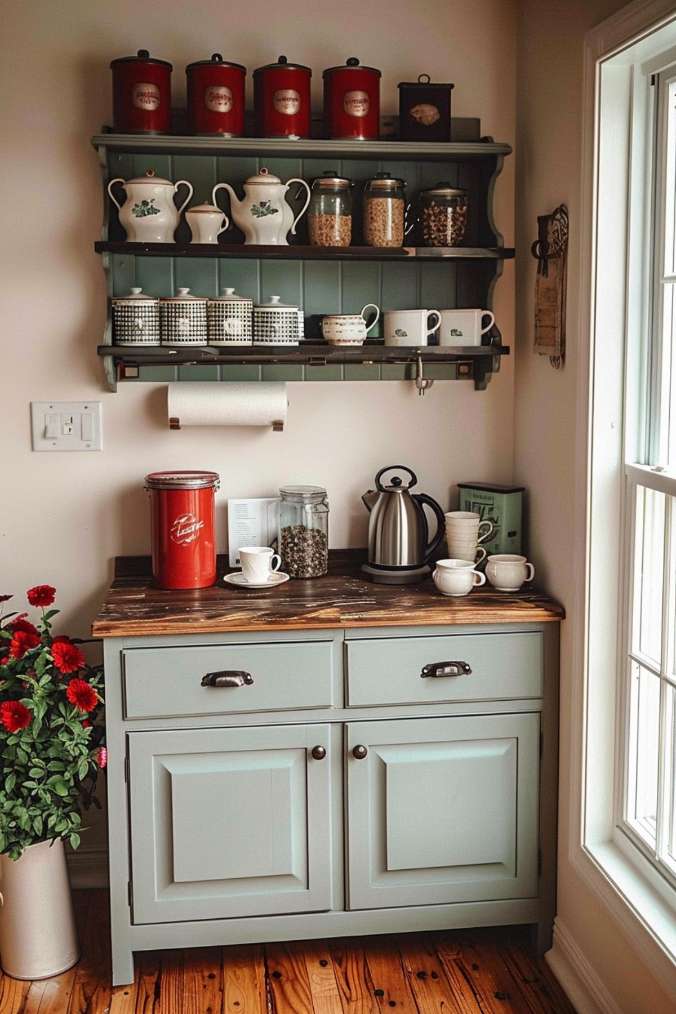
(388, 670)
(167, 682)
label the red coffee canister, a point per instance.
(216, 97)
(352, 101)
(282, 99)
(182, 528)
(141, 94)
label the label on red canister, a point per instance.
(145, 96)
(218, 98)
(185, 529)
(356, 103)
(286, 101)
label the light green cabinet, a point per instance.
(442, 810)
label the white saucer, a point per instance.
(240, 581)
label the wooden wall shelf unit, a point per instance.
(321, 280)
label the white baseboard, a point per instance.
(585, 990)
(88, 867)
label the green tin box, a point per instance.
(503, 505)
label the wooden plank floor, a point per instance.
(454, 972)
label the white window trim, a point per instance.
(633, 901)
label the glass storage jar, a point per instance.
(444, 215)
(330, 213)
(384, 211)
(304, 531)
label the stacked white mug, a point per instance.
(465, 531)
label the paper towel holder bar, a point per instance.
(175, 424)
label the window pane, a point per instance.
(667, 408)
(670, 777)
(644, 752)
(670, 173)
(648, 573)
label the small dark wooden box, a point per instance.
(424, 110)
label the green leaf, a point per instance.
(60, 787)
(74, 839)
(10, 782)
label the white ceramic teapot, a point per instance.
(263, 214)
(149, 214)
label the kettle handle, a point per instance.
(431, 548)
(400, 468)
(300, 214)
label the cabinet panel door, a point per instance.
(229, 822)
(443, 810)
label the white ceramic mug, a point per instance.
(349, 328)
(206, 223)
(258, 563)
(456, 577)
(507, 572)
(469, 524)
(464, 327)
(410, 327)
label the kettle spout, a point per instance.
(234, 199)
(369, 499)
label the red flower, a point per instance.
(82, 695)
(14, 715)
(101, 757)
(41, 595)
(67, 657)
(23, 641)
(86, 724)
(4, 660)
(21, 623)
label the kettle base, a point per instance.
(404, 575)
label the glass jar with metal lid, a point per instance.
(330, 212)
(384, 211)
(304, 531)
(444, 215)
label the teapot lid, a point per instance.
(150, 176)
(264, 176)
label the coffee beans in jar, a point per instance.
(304, 531)
(444, 215)
(330, 212)
(384, 211)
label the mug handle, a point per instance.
(479, 578)
(489, 531)
(275, 562)
(531, 569)
(491, 322)
(371, 306)
(189, 186)
(482, 554)
(433, 313)
(118, 179)
(224, 227)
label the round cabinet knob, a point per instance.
(318, 752)
(359, 752)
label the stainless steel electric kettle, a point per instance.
(399, 544)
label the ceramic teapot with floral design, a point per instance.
(149, 214)
(263, 214)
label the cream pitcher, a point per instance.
(263, 214)
(149, 214)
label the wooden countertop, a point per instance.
(134, 608)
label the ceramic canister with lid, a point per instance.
(216, 97)
(282, 99)
(424, 110)
(183, 319)
(136, 319)
(141, 94)
(182, 511)
(230, 319)
(277, 323)
(352, 101)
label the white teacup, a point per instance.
(410, 327)
(464, 327)
(463, 549)
(206, 222)
(507, 572)
(456, 577)
(258, 563)
(349, 328)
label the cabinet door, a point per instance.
(229, 822)
(442, 810)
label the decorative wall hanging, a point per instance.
(551, 251)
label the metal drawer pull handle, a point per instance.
(228, 678)
(319, 752)
(359, 752)
(436, 669)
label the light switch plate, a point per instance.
(67, 425)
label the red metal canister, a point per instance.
(352, 101)
(282, 99)
(141, 94)
(182, 513)
(216, 97)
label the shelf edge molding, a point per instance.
(303, 252)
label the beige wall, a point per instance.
(64, 516)
(549, 102)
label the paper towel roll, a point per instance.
(227, 404)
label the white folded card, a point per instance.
(251, 522)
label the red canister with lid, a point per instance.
(282, 99)
(182, 511)
(216, 97)
(141, 94)
(352, 101)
